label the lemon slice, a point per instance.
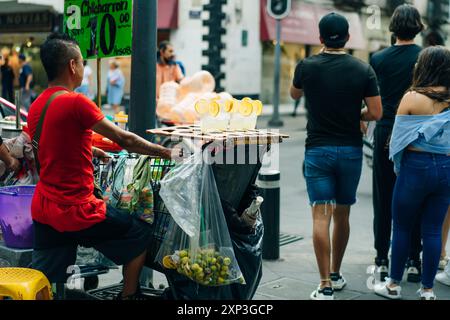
(214, 109)
(247, 99)
(168, 263)
(229, 106)
(246, 108)
(201, 106)
(257, 104)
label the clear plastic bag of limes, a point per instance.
(206, 254)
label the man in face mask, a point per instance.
(167, 68)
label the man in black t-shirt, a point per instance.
(394, 67)
(335, 85)
(26, 82)
(7, 75)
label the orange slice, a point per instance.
(214, 109)
(257, 104)
(246, 108)
(201, 106)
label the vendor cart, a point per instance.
(236, 159)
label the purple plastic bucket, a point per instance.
(15, 216)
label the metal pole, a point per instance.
(143, 69)
(269, 184)
(99, 83)
(18, 118)
(276, 121)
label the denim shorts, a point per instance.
(332, 174)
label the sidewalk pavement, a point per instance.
(295, 275)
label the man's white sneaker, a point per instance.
(383, 290)
(326, 293)
(338, 281)
(426, 295)
(443, 278)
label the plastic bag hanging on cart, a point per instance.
(181, 192)
(117, 194)
(207, 256)
(141, 204)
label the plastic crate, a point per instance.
(111, 292)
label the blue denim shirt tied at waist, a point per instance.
(426, 133)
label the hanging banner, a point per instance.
(103, 28)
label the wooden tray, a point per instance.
(266, 136)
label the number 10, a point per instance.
(106, 48)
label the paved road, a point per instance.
(295, 276)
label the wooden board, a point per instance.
(265, 136)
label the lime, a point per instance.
(227, 261)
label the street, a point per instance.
(295, 275)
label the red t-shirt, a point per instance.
(64, 197)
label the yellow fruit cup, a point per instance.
(215, 119)
(245, 115)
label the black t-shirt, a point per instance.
(394, 67)
(24, 73)
(334, 86)
(7, 75)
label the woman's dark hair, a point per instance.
(406, 23)
(433, 70)
(56, 52)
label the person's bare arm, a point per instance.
(11, 162)
(130, 141)
(373, 110)
(178, 74)
(296, 93)
(28, 83)
(100, 154)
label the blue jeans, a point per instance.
(332, 174)
(422, 191)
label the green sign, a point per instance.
(103, 28)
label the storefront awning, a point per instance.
(302, 25)
(167, 14)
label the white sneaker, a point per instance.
(443, 262)
(443, 278)
(338, 282)
(326, 293)
(426, 295)
(383, 290)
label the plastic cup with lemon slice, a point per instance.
(245, 114)
(253, 117)
(212, 118)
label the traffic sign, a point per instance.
(102, 29)
(279, 9)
